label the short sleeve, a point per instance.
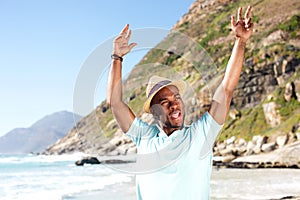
(139, 130)
(206, 130)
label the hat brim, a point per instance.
(181, 86)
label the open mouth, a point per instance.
(175, 114)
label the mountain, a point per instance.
(265, 102)
(40, 135)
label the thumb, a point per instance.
(132, 45)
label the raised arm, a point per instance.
(120, 110)
(242, 28)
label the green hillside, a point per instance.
(197, 50)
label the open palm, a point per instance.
(242, 28)
(121, 46)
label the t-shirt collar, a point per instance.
(162, 133)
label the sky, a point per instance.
(44, 45)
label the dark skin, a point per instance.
(167, 108)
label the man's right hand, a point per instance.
(120, 45)
(122, 113)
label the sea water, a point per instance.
(28, 177)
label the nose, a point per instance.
(173, 105)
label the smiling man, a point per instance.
(183, 153)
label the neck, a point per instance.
(169, 131)
(167, 128)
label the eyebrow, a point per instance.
(175, 95)
(162, 99)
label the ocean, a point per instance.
(53, 177)
(28, 177)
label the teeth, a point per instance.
(175, 114)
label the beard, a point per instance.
(168, 123)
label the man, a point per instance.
(184, 161)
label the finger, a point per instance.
(132, 45)
(248, 22)
(240, 10)
(248, 11)
(233, 22)
(250, 26)
(124, 30)
(128, 35)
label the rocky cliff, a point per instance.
(266, 101)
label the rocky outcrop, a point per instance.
(257, 81)
(120, 144)
(87, 160)
(271, 115)
(82, 139)
(276, 36)
(285, 157)
(96, 161)
(259, 152)
(79, 139)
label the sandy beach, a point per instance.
(123, 191)
(226, 184)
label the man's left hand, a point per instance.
(242, 27)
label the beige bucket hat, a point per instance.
(156, 83)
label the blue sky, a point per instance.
(43, 45)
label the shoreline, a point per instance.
(279, 158)
(253, 165)
(121, 190)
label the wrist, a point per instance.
(116, 57)
(241, 41)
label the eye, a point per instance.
(164, 102)
(177, 97)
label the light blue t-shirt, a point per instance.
(176, 166)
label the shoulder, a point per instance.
(206, 122)
(139, 126)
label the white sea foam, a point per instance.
(40, 158)
(51, 177)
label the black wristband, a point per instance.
(116, 57)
